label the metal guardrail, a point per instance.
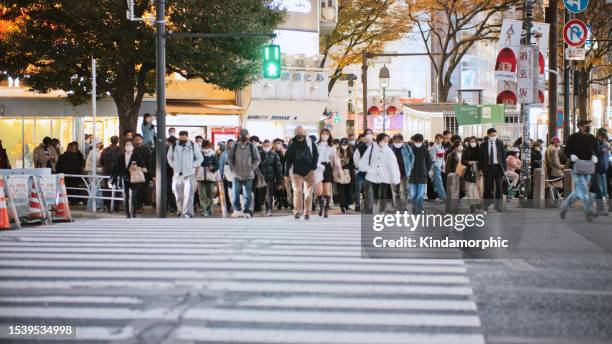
(95, 190)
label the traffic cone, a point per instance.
(35, 213)
(4, 216)
(62, 211)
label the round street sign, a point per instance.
(575, 33)
(576, 6)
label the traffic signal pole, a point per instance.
(525, 148)
(160, 144)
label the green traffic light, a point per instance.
(271, 61)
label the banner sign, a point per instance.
(478, 114)
(525, 75)
(48, 185)
(19, 188)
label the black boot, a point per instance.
(327, 200)
(320, 202)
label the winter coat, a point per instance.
(360, 150)
(70, 163)
(108, 157)
(184, 158)
(89, 163)
(437, 155)
(301, 157)
(223, 162)
(580, 145)
(148, 134)
(209, 160)
(422, 165)
(380, 165)
(536, 159)
(602, 149)
(271, 167)
(452, 160)
(121, 169)
(39, 155)
(244, 159)
(5, 163)
(408, 157)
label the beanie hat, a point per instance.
(506, 55)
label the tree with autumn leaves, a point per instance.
(363, 25)
(449, 29)
(50, 44)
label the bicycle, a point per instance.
(554, 194)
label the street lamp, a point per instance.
(384, 77)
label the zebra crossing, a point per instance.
(262, 280)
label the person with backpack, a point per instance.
(272, 172)
(300, 165)
(243, 160)
(184, 157)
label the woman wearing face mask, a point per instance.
(382, 171)
(328, 167)
(272, 171)
(206, 178)
(343, 184)
(418, 175)
(121, 173)
(469, 159)
(453, 161)
(283, 195)
(536, 156)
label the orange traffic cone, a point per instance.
(4, 216)
(35, 213)
(62, 211)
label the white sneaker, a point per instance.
(237, 213)
(247, 215)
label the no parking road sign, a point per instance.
(575, 33)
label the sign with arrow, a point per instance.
(575, 33)
(576, 6)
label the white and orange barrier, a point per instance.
(7, 208)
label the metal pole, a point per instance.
(364, 81)
(552, 65)
(160, 145)
(526, 149)
(384, 109)
(566, 90)
(92, 185)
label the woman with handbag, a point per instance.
(469, 159)
(343, 184)
(130, 170)
(206, 178)
(453, 164)
(328, 168)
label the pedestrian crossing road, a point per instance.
(262, 280)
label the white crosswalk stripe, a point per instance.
(263, 280)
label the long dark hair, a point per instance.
(330, 139)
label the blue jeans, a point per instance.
(601, 180)
(438, 183)
(359, 180)
(417, 195)
(238, 186)
(581, 192)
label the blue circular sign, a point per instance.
(576, 6)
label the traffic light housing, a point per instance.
(271, 61)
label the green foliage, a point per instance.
(51, 42)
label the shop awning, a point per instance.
(285, 110)
(202, 108)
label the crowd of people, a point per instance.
(370, 173)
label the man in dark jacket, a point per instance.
(580, 146)
(272, 171)
(418, 175)
(492, 163)
(300, 163)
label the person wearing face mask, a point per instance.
(172, 132)
(437, 152)
(283, 195)
(148, 130)
(243, 159)
(343, 183)
(360, 180)
(205, 176)
(599, 179)
(272, 171)
(553, 167)
(405, 160)
(300, 164)
(183, 157)
(382, 171)
(223, 154)
(492, 163)
(351, 139)
(453, 159)
(536, 156)
(121, 173)
(469, 159)
(418, 175)
(581, 149)
(328, 167)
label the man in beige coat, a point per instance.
(554, 169)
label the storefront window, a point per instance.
(105, 128)
(11, 140)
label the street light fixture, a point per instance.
(384, 77)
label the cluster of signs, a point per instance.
(515, 66)
(575, 31)
(478, 114)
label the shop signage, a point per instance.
(479, 114)
(575, 33)
(272, 117)
(302, 15)
(525, 75)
